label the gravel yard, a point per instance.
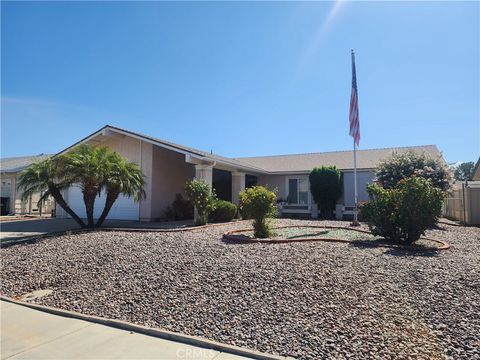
(306, 300)
(293, 233)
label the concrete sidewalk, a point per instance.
(31, 334)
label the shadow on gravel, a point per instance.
(301, 236)
(412, 252)
(242, 239)
(395, 251)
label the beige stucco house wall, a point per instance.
(166, 173)
(170, 173)
(275, 182)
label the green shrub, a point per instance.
(405, 212)
(180, 209)
(202, 197)
(258, 203)
(326, 185)
(400, 166)
(224, 211)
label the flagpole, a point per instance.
(355, 135)
(355, 216)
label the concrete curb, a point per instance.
(163, 334)
(229, 236)
(34, 238)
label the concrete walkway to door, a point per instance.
(32, 334)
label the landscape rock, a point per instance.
(308, 300)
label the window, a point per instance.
(298, 191)
(250, 181)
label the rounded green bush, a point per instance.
(404, 212)
(260, 204)
(224, 211)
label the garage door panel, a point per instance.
(123, 209)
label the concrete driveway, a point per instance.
(18, 229)
(21, 229)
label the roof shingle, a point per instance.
(343, 160)
(16, 164)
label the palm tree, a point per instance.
(47, 178)
(88, 167)
(122, 177)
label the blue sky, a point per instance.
(242, 79)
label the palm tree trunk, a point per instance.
(112, 196)
(57, 196)
(89, 200)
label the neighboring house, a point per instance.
(11, 198)
(167, 166)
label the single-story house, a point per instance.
(167, 166)
(11, 198)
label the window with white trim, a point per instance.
(298, 191)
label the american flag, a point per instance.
(354, 115)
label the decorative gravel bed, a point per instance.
(301, 233)
(292, 233)
(307, 300)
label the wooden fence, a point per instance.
(463, 203)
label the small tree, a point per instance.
(464, 171)
(87, 166)
(405, 212)
(47, 178)
(259, 203)
(326, 185)
(400, 166)
(121, 177)
(202, 197)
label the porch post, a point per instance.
(205, 173)
(13, 195)
(238, 184)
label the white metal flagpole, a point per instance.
(354, 120)
(355, 216)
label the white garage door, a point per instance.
(123, 209)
